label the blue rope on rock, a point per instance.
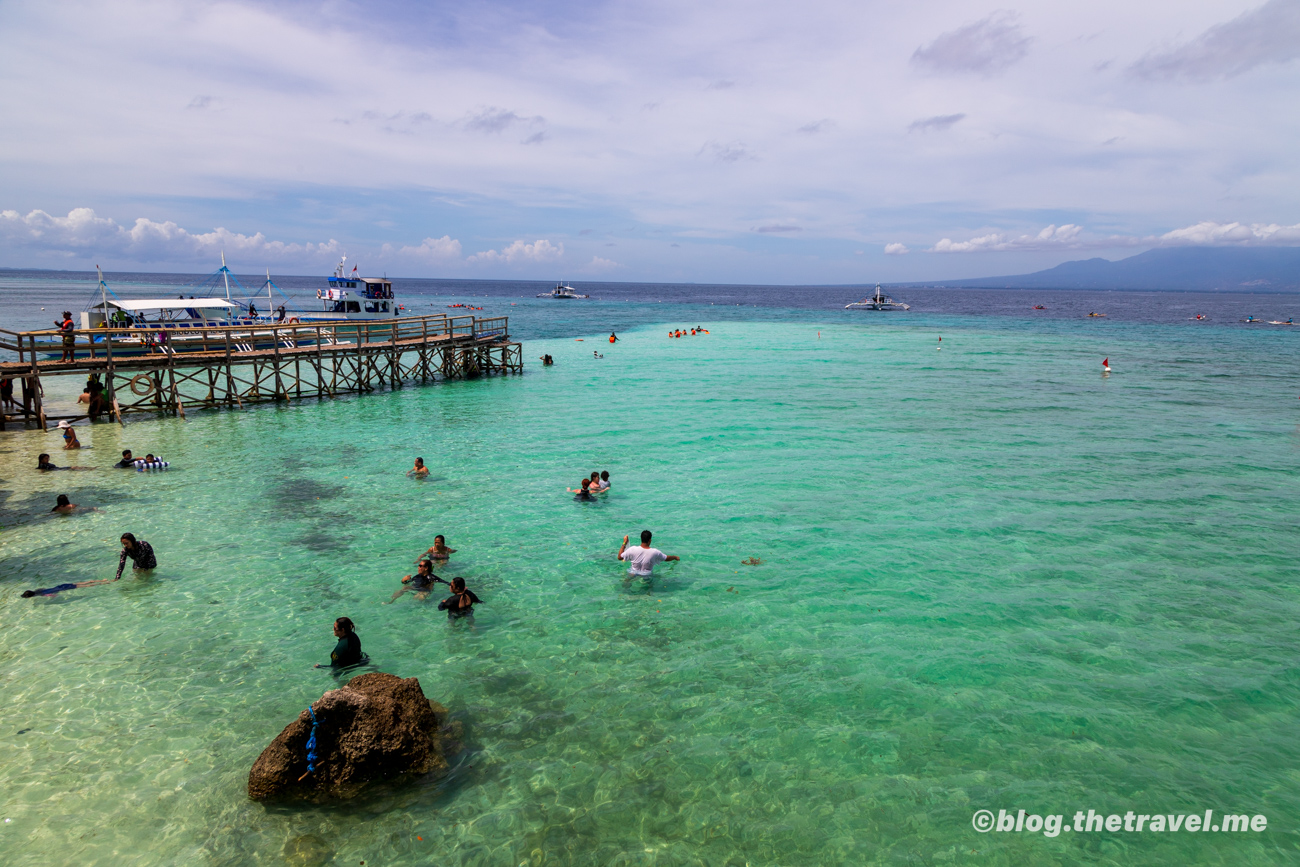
(311, 746)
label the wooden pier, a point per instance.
(238, 365)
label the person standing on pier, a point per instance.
(67, 327)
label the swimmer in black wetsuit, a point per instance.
(420, 583)
(43, 464)
(462, 601)
(348, 650)
(583, 495)
(140, 552)
(127, 462)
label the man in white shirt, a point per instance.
(642, 557)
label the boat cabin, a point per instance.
(371, 295)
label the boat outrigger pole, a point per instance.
(225, 274)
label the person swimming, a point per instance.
(604, 481)
(439, 550)
(419, 471)
(420, 583)
(127, 462)
(43, 464)
(583, 494)
(59, 588)
(140, 552)
(63, 505)
(348, 650)
(613, 338)
(462, 601)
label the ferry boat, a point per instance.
(878, 301)
(561, 291)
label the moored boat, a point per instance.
(879, 301)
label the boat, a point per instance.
(878, 301)
(561, 291)
(169, 325)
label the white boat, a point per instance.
(878, 301)
(351, 297)
(561, 291)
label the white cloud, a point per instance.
(598, 265)
(82, 232)
(988, 46)
(895, 249)
(1051, 238)
(430, 249)
(540, 250)
(1234, 234)
(1072, 237)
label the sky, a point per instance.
(739, 142)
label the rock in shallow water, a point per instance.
(377, 727)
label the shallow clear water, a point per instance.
(991, 578)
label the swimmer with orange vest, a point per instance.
(613, 338)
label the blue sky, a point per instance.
(801, 142)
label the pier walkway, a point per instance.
(233, 366)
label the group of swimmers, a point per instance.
(597, 484)
(682, 332)
(128, 462)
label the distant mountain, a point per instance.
(1226, 269)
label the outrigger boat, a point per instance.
(561, 291)
(878, 301)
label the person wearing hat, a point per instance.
(70, 440)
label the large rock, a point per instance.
(377, 727)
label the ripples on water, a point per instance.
(990, 578)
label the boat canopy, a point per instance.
(168, 304)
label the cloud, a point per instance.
(540, 250)
(1269, 34)
(83, 232)
(721, 84)
(497, 120)
(1069, 236)
(988, 46)
(597, 265)
(1051, 238)
(726, 153)
(200, 102)
(815, 127)
(435, 249)
(1234, 234)
(938, 123)
(777, 229)
(894, 249)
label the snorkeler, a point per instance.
(461, 602)
(420, 583)
(439, 551)
(140, 552)
(59, 588)
(348, 650)
(419, 471)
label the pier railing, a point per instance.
(162, 338)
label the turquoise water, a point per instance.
(991, 578)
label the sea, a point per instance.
(932, 592)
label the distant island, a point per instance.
(1223, 269)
